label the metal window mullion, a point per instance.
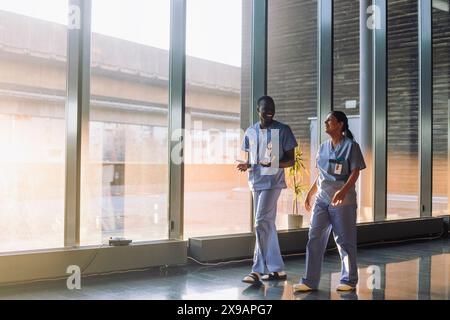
(366, 104)
(259, 55)
(77, 113)
(424, 278)
(379, 293)
(177, 76)
(426, 106)
(258, 65)
(380, 114)
(325, 67)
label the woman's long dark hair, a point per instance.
(342, 117)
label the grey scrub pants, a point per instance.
(342, 220)
(267, 255)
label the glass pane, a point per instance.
(346, 57)
(292, 82)
(403, 111)
(441, 106)
(125, 169)
(33, 45)
(217, 199)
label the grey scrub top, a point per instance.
(263, 144)
(335, 167)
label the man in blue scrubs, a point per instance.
(339, 161)
(269, 146)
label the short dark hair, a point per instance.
(268, 100)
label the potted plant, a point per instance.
(296, 176)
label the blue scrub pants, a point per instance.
(342, 220)
(267, 255)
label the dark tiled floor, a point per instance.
(418, 270)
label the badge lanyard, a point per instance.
(268, 151)
(338, 168)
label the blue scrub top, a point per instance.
(258, 142)
(348, 156)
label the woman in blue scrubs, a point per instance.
(339, 162)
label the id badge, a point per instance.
(338, 168)
(268, 154)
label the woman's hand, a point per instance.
(338, 198)
(308, 202)
(310, 197)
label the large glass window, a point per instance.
(33, 50)
(403, 110)
(441, 106)
(217, 199)
(125, 165)
(292, 82)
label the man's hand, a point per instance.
(338, 198)
(265, 164)
(242, 167)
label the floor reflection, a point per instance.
(414, 271)
(416, 279)
(423, 274)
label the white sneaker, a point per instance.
(301, 287)
(345, 287)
